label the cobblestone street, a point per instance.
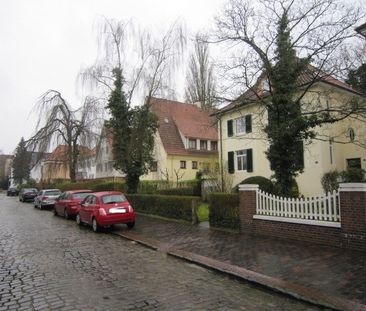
(48, 263)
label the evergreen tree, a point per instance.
(357, 78)
(287, 127)
(133, 134)
(21, 163)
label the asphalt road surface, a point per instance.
(49, 263)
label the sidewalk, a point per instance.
(327, 276)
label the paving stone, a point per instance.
(48, 263)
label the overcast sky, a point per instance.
(44, 43)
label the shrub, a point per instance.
(353, 174)
(265, 184)
(176, 191)
(329, 181)
(176, 207)
(110, 186)
(224, 210)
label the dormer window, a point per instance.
(203, 144)
(192, 143)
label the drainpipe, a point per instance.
(220, 158)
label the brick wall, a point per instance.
(352, 233)
(353, 215)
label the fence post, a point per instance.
(247, 206)
(352, 199)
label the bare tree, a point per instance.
(147, 61)
(125, 71)
(284, 47)
(59, 124)
(200, 80)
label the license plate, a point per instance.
(117, 211)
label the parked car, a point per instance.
(27, 194)
(12, 191)
(103, 209)
(46, 198)
(68, 205)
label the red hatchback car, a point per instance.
(103, 209)
(68, 203)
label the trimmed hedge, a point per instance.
(177, 191)
(224, 210)
(176, 207)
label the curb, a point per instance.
(300, 292)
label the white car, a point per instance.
(46, 198)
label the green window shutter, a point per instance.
(230, 131)
(249, 160)
(230, 162)
(248, 123)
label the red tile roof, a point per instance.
(60, 153)
(175, 117)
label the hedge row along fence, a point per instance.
(176, 207)
(224, 211)
(187, 188)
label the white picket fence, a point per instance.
(314, 210)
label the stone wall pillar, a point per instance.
(353, 215)
(247, 206)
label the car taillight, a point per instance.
(102, 212)
(44, 198)
(130, 209)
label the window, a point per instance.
(192, 144)
(354, 163)
(203, 144)
(351, 135)
(154, 166)
(183, 164)
(213, 145)
(242, 125)
(243, 160)
(194, 165)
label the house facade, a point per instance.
(55, 166)
(104, 157)
(186, 142)
(243, 143)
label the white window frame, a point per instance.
(241, 160)
(240, 125)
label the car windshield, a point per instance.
(52, 192)
(30, 190)
(113, 198)
(80, 195)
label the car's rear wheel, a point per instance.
(130, 225)
(95, 225)
(66, 214)
(78, 219)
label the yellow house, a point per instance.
(337, 146)
(185, 142)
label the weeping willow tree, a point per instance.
(59, 124)
(127, 74)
